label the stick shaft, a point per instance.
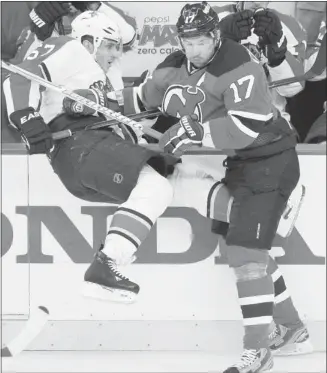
(66, 133)
(82, 100)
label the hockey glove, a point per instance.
(236, 26)
(76, 109)
(272, 41)
(267, 26)
(182, 136)
(276, 53)
(34, 132)
(86, 5)
(44, 16)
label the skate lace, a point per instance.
(114, 269)
(247, 358)
(274, 333)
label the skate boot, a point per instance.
(286, 341)
(253, 361)
(104, 281)
(291, 212)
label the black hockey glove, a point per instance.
(45, 15)
(86, 5)
(182, 136)
(275, 53)
(34, 132)
(272, 42)
(237, 26)
(267, 26)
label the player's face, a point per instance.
(107, 53)
(199, 50)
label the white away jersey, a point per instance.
(60, 60)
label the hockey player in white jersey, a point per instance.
(98, 165)
(52, 18)
(128, 30)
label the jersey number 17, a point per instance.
(235, 87)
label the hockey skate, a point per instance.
(253, 361)
(286, 341)
(104, 281)
(291, 212)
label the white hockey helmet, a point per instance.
(97, 25)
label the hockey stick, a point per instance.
(82, 100)
(33, 327)
(317, 68)
(139, 116)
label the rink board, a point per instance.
(188, 299)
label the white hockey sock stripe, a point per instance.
(33, 327)
(136, 215)
(126, 234)
(211, 199)
(130, 224)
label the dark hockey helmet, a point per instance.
(197, 19)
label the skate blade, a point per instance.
(99, 292)
(268, 367)
(285, 231)
(294, 349)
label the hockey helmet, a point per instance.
(197, 19)
(97, 25)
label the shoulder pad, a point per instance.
(230, 56)
(175, 59)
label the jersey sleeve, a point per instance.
(45, 61)
(127, 25)
(293, 65)
(248, 106)
(150, 94)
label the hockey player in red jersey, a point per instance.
(220, 93)
(276, 39)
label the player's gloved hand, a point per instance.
(44, 16)
(182, 136)
(75, 109)
(86, 5)
(237, 26)
(267, 26)
(272, 41)
(276, 53)
(34, 132)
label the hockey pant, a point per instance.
(153, 193)
(192, 187)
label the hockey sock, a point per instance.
(127, 231)
(133, 220)
(256, 298)
(285, 312)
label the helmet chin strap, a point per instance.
(96, 45)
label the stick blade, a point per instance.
(33, 327)
(5, 352)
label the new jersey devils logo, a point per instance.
(183, 100)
